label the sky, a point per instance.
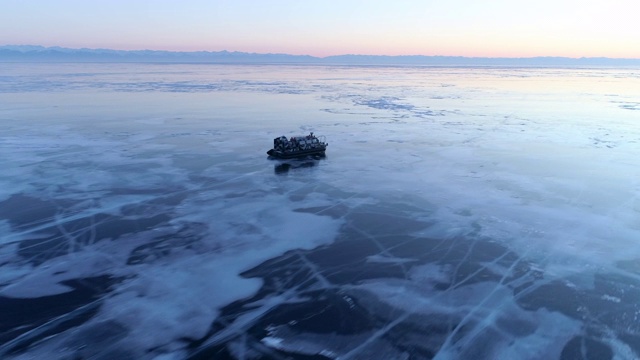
(485, 28)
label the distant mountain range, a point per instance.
(33, 53)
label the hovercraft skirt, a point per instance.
(296, 154)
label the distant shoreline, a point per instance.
(41, 54)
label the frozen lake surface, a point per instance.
(473, 213)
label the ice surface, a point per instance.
(485, 213)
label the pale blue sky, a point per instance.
(326, 27)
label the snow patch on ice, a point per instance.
(383, 259)
(611, 298)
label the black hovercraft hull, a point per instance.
(295, 154)
(297, 146)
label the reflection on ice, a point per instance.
(285, 167)
(461, 213)
(282, 167)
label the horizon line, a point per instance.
(312, 56)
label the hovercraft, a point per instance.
(298, 146)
